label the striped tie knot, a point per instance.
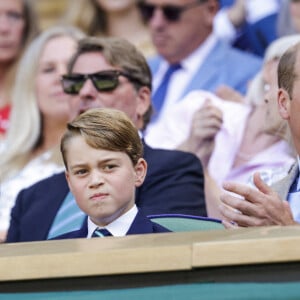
(101, 232)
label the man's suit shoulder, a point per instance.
(239, 63)
(172, 158)
(55, 182)
(234, 53)
(174, 183)
(49, 182)
(224, 52)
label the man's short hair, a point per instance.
(286, 69)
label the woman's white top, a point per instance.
(36, 170)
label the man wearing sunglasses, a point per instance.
(111, 73)
(182, 32)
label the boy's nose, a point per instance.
(96, 179)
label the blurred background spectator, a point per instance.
(50, 11)
(233, 140)
(110, 18)
(249, 25)
(18, 25)
(40, 112)
(289, 18)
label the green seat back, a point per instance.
(186, 223)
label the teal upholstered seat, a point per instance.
(178, 222)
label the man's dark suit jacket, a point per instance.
(140, 225)
(174, 184)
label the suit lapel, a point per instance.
(50, 197)
(141, 224)
(81, 233)
(205, 77)
(282, 187)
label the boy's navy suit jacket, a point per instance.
(174, 184)
(140, 225)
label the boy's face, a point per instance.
(103, 182)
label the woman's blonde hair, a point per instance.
(255, 94)
(25, 129)
(31, 30)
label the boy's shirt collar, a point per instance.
(118, 227)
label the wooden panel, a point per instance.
(82, 257)
(249, 246)
(189, 252)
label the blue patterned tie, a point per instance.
(159, 96)
(101, 232)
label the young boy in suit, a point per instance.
(102, 153)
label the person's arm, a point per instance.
(207, 122)
(261, 207)
(237, 13)
(229, 19)
(212, 196)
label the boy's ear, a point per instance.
(284, 103)
(68, 178)
(140, 172)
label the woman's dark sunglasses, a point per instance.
(172, 13)
(103, 81)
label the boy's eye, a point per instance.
(109, 167)
(80, 172)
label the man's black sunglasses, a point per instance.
(103, 81)
(171, 12)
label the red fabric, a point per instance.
(4, 118)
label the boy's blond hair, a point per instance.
(107, 129)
